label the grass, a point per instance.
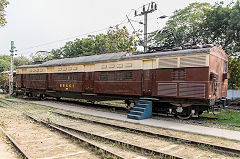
(226, 117)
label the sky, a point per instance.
(43, 25)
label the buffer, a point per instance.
(142, 110)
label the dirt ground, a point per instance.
(6, 149)
(150, 142)
(153, 143)
(38, 141)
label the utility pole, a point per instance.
(147, 8)
(11, 69)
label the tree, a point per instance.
(215, 26)
(116, 40)
(21, 60)
(3, 5)
(4, 66)
(183, 27)
(233, 31)
(233, 67)
(5, 62)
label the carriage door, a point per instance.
(89, 82)
(147, 76)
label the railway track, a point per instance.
(74, 136)
(114, 136)
(15, 144)
(33, 140)
(177, 140)
(228, 150)
(62, 129)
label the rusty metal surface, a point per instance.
(192, 85)
(185, 83)
(119, 86)
(217, 67)
(25, 155)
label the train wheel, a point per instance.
(184, 114)
(58, 98)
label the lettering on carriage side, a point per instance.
(119, 65)
(103, 66)
(65, 85)
(128, 65)
(111, 66)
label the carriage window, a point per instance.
(225, 67)
(111, 76)
(86, 77)
(75, 77)
(103, 76)
(62, 77)
(178, 74)
(129, 75)
(146, 75)
(119, 76)
(41, 77)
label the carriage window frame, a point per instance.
(178, 74)
(103, 76)
(119, 76)
(225, 67)
(129, 75)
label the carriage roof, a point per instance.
(116, 57)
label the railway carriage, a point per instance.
(184, 82)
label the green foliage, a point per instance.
(221, 26)
(215, 27)
(233, 69)
(5, 66)
(183, 27)
(226, 117)
(21, 60)
(116, 40)
(36, 58)
(5, 62)
(3, 80)
(3, 5)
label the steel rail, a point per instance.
(23, 153)
(228, 150)
(136, 147)
(74, 137)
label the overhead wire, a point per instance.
(76, 36)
